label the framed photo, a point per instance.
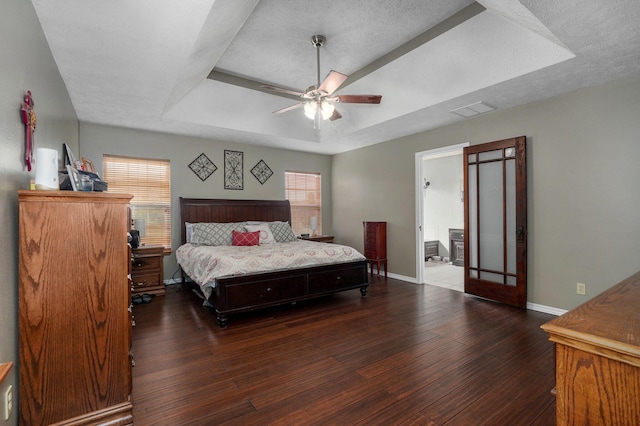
(74, 177)
(88, 165)
(68, 155)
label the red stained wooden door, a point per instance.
(495, 208)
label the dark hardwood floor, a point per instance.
(407, 354)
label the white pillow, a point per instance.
(266, 237)
(189, 231)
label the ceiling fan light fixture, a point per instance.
(326, 109)
(310, 109)
(318, 100)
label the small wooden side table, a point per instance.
(147, 274)
(319, 238)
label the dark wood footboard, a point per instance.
(249, 292)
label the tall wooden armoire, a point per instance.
(375, 244)
(74, 319)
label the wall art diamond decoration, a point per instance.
(233, 170)
(262, 172)
(203, 167)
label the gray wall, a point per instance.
(25, 64)
(583, 152)
(97, 140)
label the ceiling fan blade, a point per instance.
(289, 108)
(359, 99)
(282, 90)
(331, 83)
(335, 116)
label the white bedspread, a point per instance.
(204, 264)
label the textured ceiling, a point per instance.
(196, 69)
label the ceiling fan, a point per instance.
(318, 101)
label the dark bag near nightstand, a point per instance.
(135, 238)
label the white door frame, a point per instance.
(419, 197)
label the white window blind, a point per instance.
(303, 190)
(149, 181)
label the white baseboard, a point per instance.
(531, 306)
(546, 309)
(392, 275)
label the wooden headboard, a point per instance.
(194, 210)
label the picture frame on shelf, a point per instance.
(88, 165)
(74, 177)
(69, 158)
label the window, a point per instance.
(149, 181)
(303, 192)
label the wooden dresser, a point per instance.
(74, 319)
(147, 275)
(375, 244)
(597, 358)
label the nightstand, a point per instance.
(147, 274)
(319, 238)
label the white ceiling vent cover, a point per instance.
(473, 109)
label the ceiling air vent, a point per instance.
(473, 109)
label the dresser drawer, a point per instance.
(259, 292)
(141, 281)
(347, 277)
(141, 263)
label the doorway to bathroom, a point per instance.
(440, 213)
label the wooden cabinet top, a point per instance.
(72, 196)
(150, 250)
(609, 321)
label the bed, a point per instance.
(240, 292)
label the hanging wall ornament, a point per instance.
(203, 167)
(261, 171)
(29, 120)
(233, 170)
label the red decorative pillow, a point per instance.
(245, 238)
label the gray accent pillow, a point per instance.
(215, 234)
(282, 232)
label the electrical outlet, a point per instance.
(581, 288)
(8, 402)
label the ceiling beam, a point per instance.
(437, 30)
(451, 22)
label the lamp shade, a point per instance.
(314, 223)
(310, 109)
(327, 108)
(141, 226)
